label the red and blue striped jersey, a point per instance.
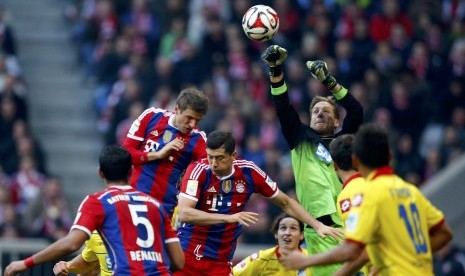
(134, 228)
(226, 195)
(151, 132)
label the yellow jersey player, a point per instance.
(288, 232)
(399, 226)
(92, 260)
(352, 182)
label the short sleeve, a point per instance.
(361, 221)
(190, 183)
(139, 126)
(264, 185)
(250, 266)
(170, 233)
(434, 216)
(89, 216)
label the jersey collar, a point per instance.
(352, 177)
(386, 170)
(279, 255)
(171, 121)
(120, 187)
(227, 176)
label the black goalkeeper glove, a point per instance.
(319, 71)
(274, 56)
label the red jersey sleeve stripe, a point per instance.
(359, 244)
(436, 227)
(135, 137)
(82, 228)
(275, 194)
(197, 171)
(248, 164)
(189, 197)
(172, 240)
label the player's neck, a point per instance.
(344, 175)
(364, 171)
(115, 183)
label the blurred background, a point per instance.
(74, 74)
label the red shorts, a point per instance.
(204, 267)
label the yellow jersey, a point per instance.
(394, 220)
(266, 262)
(95, 251)
(350, 188)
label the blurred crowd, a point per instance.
(32, 203)
(403, 60)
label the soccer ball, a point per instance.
(260, 23)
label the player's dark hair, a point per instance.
(328, 99)
(115, 163)
(341, 151)
(277, 221)
(221, 139)
(371, 145)
(194, 99)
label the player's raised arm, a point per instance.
(293, 208)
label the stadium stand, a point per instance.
(404, 61)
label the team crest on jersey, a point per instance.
(357, 200)
(351, 222)
(254, 256)
(270, 182)
(345, 205)
(240, 187)
(226, 186)
(167, 136)
(154, 133)
(323, 154)
(192, 186)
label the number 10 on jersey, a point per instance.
(411, 218)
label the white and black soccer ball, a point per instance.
(260, 23)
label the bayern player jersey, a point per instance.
(226, 195)
(134, 229)
(151, 132)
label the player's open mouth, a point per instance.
(287, 240)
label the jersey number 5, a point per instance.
(412, 222)
(136, 220)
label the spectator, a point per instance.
(47, 215)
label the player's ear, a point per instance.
(100, 173)
(336, 122)
(355, 161)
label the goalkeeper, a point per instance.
(317, 184)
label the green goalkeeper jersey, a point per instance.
(317, 185)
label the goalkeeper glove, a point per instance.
(274, 56)
(319, 71)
